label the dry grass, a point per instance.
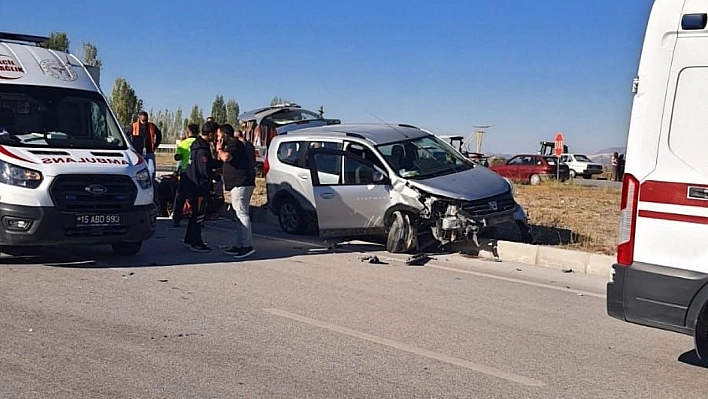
(563, 215)
(577, 217)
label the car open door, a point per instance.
(351, 194)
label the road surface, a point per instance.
(305, 319)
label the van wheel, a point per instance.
(700, 335)
(127, 248)
(572, 174)
(534, 180)
(401, 234)
(291, 217)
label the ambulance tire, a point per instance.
(127, 248)
(401, 234)
(700, 335)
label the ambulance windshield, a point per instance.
(51, 117)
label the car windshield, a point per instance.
(423, 158)
(582, 158)
(50, 117)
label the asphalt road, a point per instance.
(302, 319)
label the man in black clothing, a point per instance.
(200, 172)
(239, 180)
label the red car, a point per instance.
(532, 169)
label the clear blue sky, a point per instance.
(529, 68)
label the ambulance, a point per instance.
(661, 275)
(68, 173)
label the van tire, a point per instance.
(401, 234)
(290, 216)
(126, 248)
(534, 180)
(700, 334)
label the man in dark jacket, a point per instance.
(200, 173)
(239, 180)
(146, 137)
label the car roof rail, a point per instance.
(407, 125)
(18, 37)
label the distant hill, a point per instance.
(605, 156)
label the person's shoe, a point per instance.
(199, 248)
(245, 252)
(186, 244)
(233, 250)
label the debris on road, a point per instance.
(163, 280)
(418, 260)
(373, 259)
(567, 270)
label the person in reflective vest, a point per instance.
(146, 137)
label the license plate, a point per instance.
(493, 221)
(97, 220)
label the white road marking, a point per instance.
(411, 349)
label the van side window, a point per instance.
(322, 144)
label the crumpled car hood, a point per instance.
(470, 185)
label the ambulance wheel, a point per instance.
(700, 335)
(401, 234)
(127, 248)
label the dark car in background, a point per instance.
(533, 169)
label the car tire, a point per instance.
(572, 174)
(291, 217)
(401, 234)
(534, 180)
(126, 248)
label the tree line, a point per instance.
(126, 104)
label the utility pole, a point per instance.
(321, 111)
(480, 130)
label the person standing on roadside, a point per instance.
(146, 137)
(614, 163)
(239, 180)
(200, 172)
(182, 154)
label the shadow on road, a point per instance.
(691, 358)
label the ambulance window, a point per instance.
(689, 126)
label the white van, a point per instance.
(661, 275)
(68, 174)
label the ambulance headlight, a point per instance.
(18, 176)
(143, 178)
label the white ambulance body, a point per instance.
(68, 173)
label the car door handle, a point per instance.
(304, 177)
(327, 195)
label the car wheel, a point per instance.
(534, 180)
(127, 248)
(572, 174)
(401, 234)
(291, 217)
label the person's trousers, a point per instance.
(150, 161)
(193, 236)
(240, 202)
(180, 198)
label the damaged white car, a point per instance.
(378, 179)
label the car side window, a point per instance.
(289, 152)
(328, 168)
(515, 161)
(322, 144)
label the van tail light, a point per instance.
(628, 220)
(266, 165)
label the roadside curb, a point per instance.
(556, 258)
(509, 251)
